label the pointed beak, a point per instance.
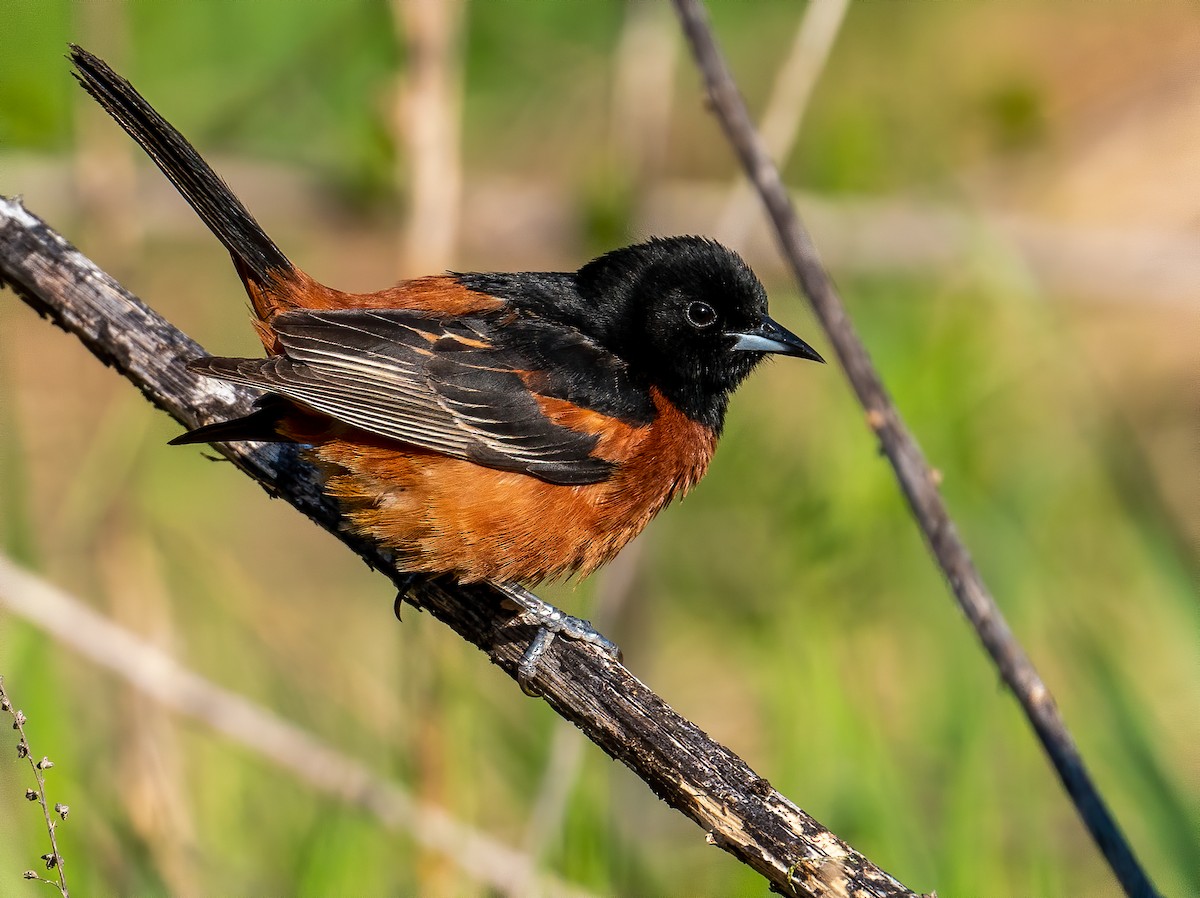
(771, 337)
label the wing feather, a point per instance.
(455, 386)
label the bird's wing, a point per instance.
(463, 387)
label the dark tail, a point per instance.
(262, 425)
(255, 255)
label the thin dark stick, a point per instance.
(54, 860)
(917, 480)
(702, 779)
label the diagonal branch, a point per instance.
(701, 778)
(917, 480)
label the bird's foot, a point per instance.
(550, 622)
(404, 587)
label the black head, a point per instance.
(688, 314)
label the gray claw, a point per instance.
(550, 622)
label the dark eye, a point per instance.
(701, 315)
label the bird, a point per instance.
(502, 427)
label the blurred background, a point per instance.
(1007, 196)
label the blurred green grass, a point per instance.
(788, 606)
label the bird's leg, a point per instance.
(550, 622)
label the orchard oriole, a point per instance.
(500, 427)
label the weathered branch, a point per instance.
(916, 478)
(699, 777)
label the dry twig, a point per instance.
(701, 778)
(426, 122)
(54, 858)
(780, 124)
(643, 89)
(323, 768)
(917, 480)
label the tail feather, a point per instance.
(258, 260)
(262, 425)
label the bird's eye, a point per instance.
(701, 315)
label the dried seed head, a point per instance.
(22, 750)
(19, 720)
(31, 795)
(29, 874)
(4, 704)
(62, 810)
(51, 861)
(45, 763)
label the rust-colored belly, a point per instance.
(446, 515)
